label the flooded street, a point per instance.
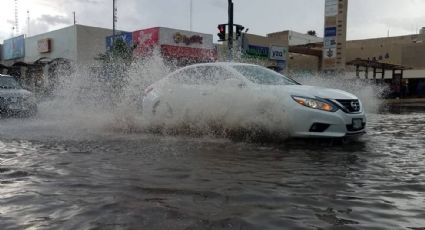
(64, 178)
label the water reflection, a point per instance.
(143, 181)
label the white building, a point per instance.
(77, 43)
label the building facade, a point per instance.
(273, 51)
(180, 46)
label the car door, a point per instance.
(184, 90)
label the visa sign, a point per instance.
(278, 53)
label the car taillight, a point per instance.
(148, 90)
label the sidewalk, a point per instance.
(408, 102)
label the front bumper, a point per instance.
(333, 124)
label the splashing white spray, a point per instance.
(89, 102)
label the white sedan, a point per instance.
(234, 95)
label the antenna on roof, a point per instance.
(28, 23)
(16, 17)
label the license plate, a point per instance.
(357, 123)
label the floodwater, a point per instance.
(68, 178)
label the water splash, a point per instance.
(96, 100)
(369, 93)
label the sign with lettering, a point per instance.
(334, 41)
(14, 48)
(330, 53)
(185, 38)
(44, 45)
(331, 8)
(124, 36)
(330, 42)
(259, 51)
(188, 40)
(330, 31)
(278, 53)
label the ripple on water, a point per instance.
(138, 181)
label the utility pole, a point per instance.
(114, 20)
(230, 26)
(191, 15)
(16, 17)
(28, 23)
(75, 22)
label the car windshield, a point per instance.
(9, 83)
(263, 76)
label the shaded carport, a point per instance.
(379, 68)
(311, 49)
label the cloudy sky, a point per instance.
(366, 19)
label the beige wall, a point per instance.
(91, 41)
(402, 50)
(303, 63)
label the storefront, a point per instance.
(182, 47)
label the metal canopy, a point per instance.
(363, 65)
(376, 64)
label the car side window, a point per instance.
(184, 77)
(201, 75)
(212, 75)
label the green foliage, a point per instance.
(119, 53)
(113, 74)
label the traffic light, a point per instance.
(239, 29)
(221, 32)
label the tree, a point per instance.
(115, 64)
(120, 52)
(312, 33)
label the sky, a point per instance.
(366, 18)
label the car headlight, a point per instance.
(315, 103)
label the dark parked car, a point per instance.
(14, 100)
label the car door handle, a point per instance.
(204, 93)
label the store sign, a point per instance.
(329, 53)
(260, 51)
(187, 40)
(44, 45)
(147, 37)
(184, 38)
(330, 42)
(278, 53)
(14, 48)
(145, 40)
(330, 31)
(124, 36)
(330, 21)
(331, 8)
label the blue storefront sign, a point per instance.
(330, 31)
(14, 48)
(260, 51)
(125, 36)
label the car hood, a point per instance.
(14, 93)
(314, 91)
